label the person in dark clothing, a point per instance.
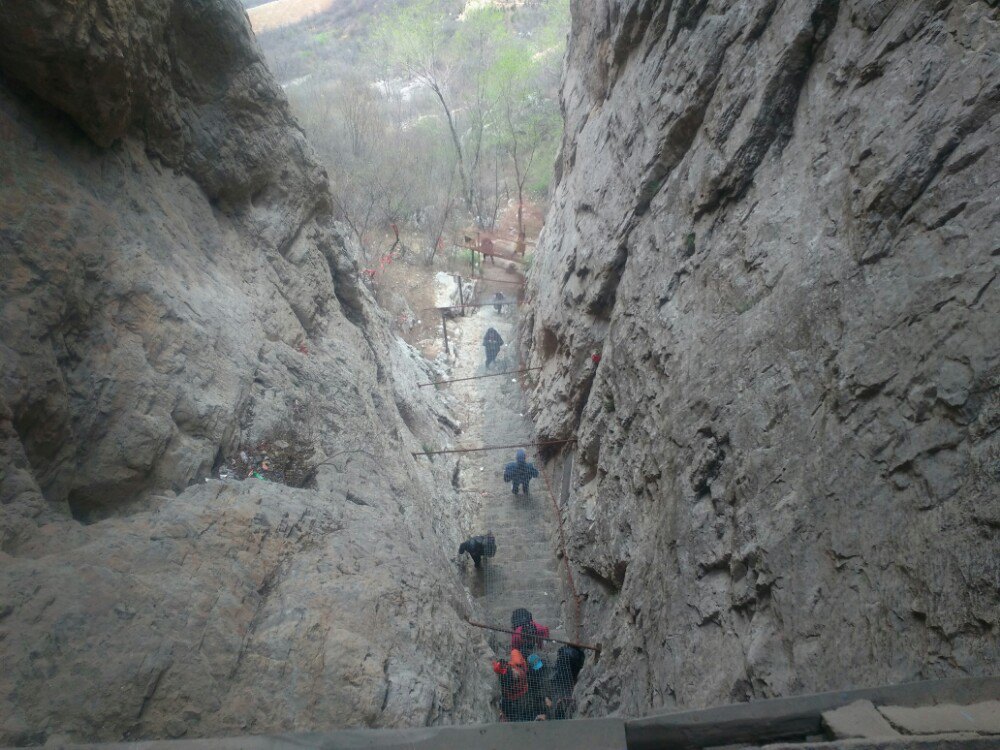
(519, 472)
(492, 341)
(569, 662)
(486, 248)
(478, 547)
(560, 703)
(519, 617)
(528, 635)
(498, 301)
(537, 687)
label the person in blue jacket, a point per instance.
(520, 472)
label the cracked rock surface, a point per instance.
(174, 288)
(778, 223)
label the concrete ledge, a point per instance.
(787, 718)
(983, 718)
(858, 719)
(585, 734)
(927, 742)
(762, 721)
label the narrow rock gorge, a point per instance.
(765, 302)
(175, 291)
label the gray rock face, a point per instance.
(174, 289)
(777, 223)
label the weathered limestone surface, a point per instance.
(173, 287)
(779, 225)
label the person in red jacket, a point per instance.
(528, 635)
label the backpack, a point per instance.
(513, 676)
(570, 662)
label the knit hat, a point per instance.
(535, 661)
(520, 616)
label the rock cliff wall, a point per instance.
(778, 223)
(173, 290)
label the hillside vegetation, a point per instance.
(429, 115)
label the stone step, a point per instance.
(522, 545)
(548, 567)
(550, 617)
(500, 514)
(532, 594)
(548, 562)
(523, 576)
(533, 575)
(534, 603)
(505, 588)
(522, 565)
(520, 519)
(507, 520)
(520, 532)
(510, 539)
(522, 552)
(498, 526)
(509, 589)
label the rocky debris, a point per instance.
(276, 461)
(776, 224)
(175, 292)
(446, 290)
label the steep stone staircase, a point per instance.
(525, 571)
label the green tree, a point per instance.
(524, 75)
(414, 41)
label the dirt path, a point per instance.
(524, 572)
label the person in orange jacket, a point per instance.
(513, 675)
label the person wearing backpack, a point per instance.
(537, 687)
(479, 547)
(519, 471)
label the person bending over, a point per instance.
(479, 547)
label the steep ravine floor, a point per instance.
(526, 571)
